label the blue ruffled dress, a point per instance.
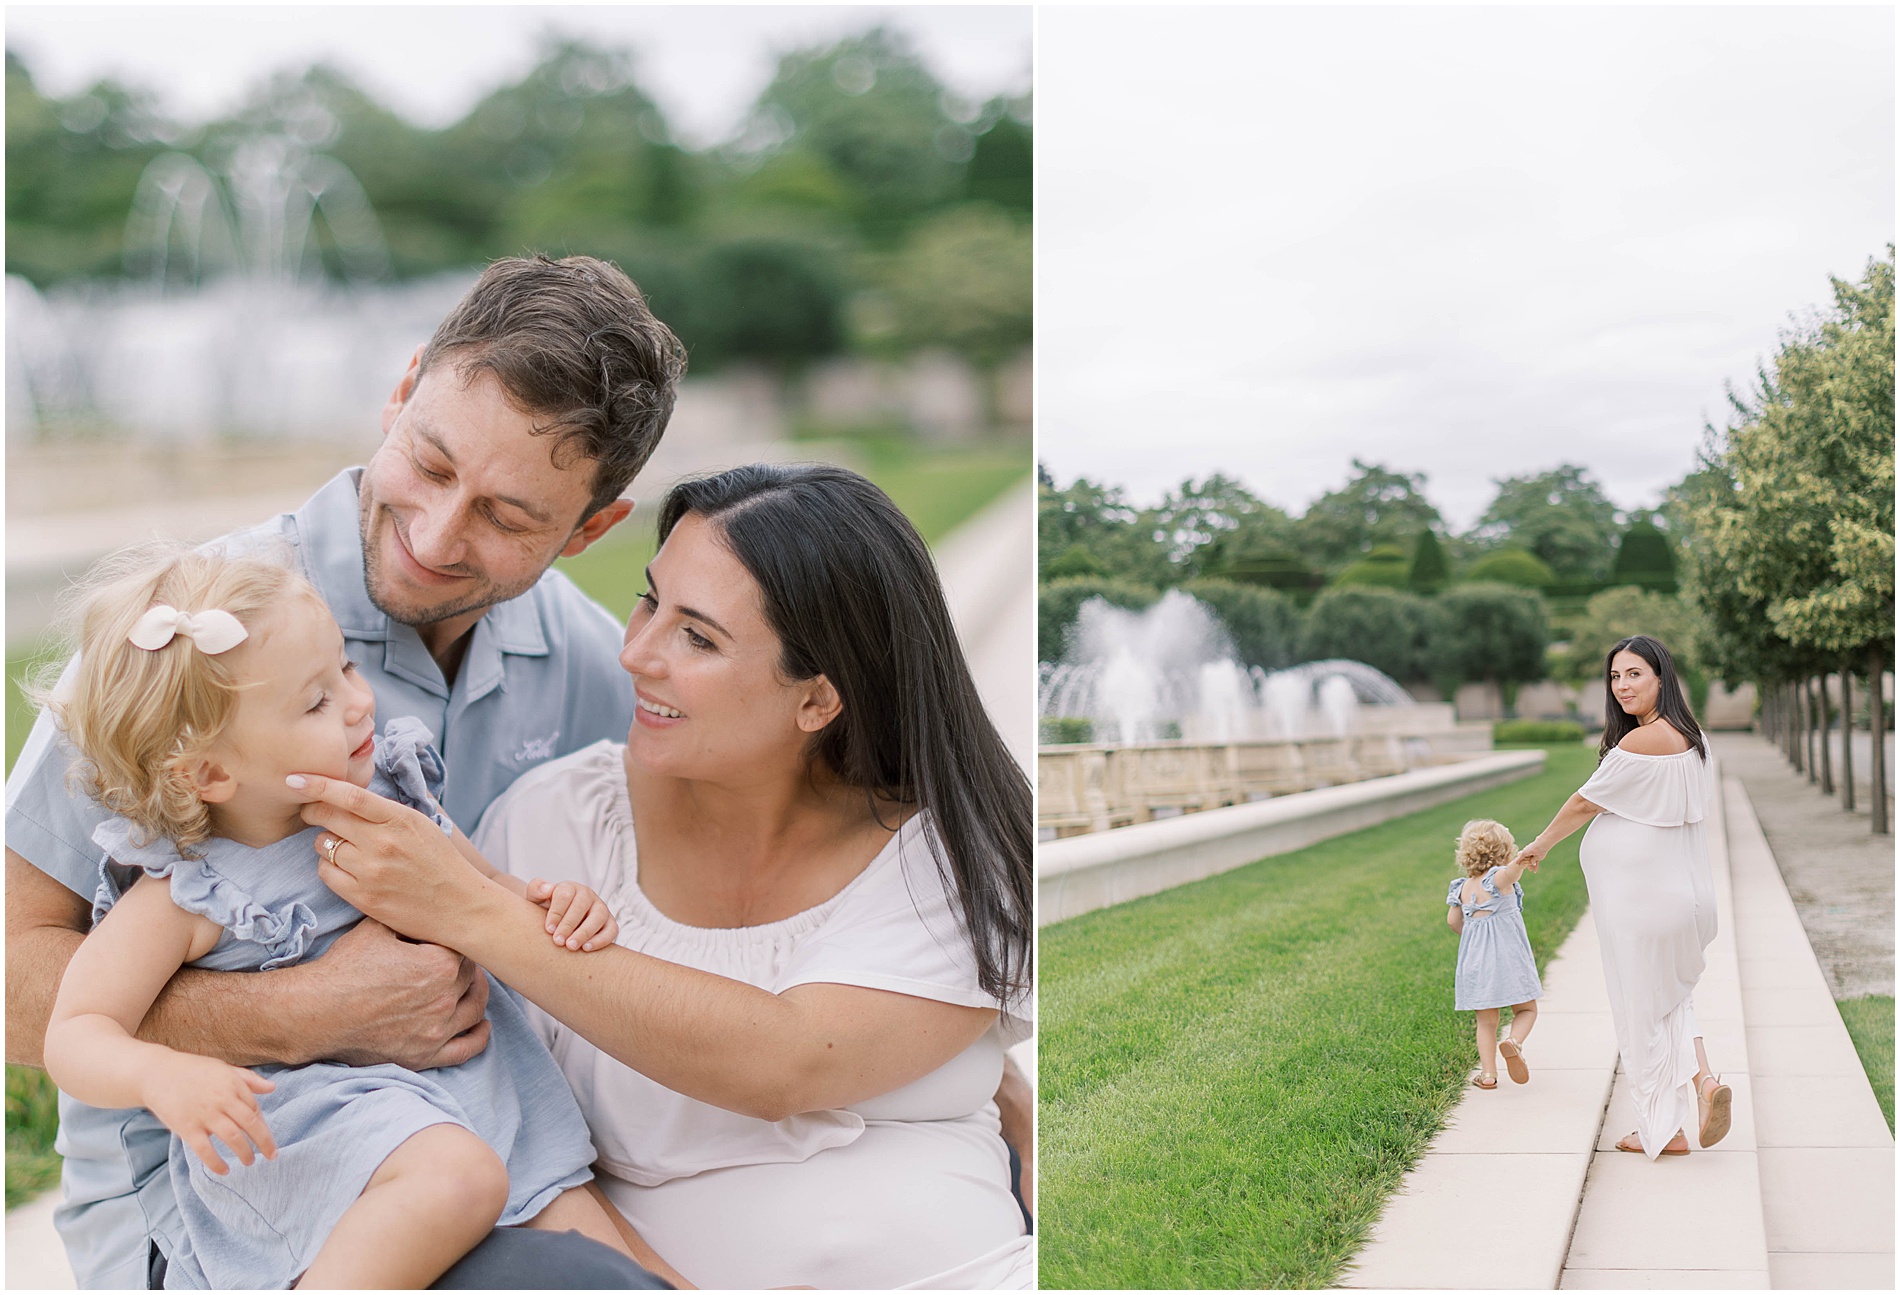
(259, 1226)
(1496, 967)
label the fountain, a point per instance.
(226, 321)
(1170, 672)
(1178, 725)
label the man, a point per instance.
(507, 444)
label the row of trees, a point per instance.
(862, 206)
(1547, 579)
(1553, 530)
(1489, 632)
(1789, 531)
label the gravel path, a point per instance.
(1839, 874)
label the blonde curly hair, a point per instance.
(1483, 845)
(139, 719)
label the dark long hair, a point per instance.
(851, 591)
(1670, 702)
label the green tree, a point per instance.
(1791, 553)
(1072, 561)
(1384, 628)
(73, 166)
(1618, 613)
(1429, 571)
(1264, 623)
(1808, 528)
(1376, 506)
(1199, 519)
(1490, 632)
(1732, 635)
(1644, 557)
(769, 299)
(963, 280)
(869, 109)
(1058, 602)
(1561, 516)
(1385, 566)
(1118, 536)
(1002, 167)
(1510, 567)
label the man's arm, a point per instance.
(45, 923)
(373, 997)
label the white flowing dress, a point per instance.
(907, 1190)
(1646, 863)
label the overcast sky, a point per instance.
(1466, 242)
(704, 64)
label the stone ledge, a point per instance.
(1083, 873)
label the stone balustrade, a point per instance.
(1088, 872)
(1094, 787)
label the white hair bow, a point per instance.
(212, 631)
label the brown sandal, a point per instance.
(1513, 1053)
(1716, 1107)
(1630, 1142)
(1479, 1078)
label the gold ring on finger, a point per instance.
(335, 844)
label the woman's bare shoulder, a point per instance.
(1658, 738)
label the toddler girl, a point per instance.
(1495, 965)
(202, 681)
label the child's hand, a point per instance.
(577, 917)
(200, 1098)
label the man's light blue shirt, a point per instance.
(540, 678)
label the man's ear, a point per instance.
(596, 526)
(820, 706)
(212, 781)
(405, 388)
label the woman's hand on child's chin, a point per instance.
(200, 1098)
(393, 863)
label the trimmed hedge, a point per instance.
(1058, 602)
(1536, 732)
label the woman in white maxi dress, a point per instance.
(819, 853)
(1646, 863)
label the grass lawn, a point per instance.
(32, 1120)
(936, 488)
(1235, 1074)
(1870, 1021)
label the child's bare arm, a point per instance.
(577, 917)
(92, 1051)
(1508, 875)
(1455, 918)
(483, 866)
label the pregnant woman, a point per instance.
(818, 851)
(1646, 864)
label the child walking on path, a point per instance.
(203, 681)
(1495, 965)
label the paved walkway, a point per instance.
(1690, 1222)
(1800, 1194)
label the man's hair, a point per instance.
(572, 343)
